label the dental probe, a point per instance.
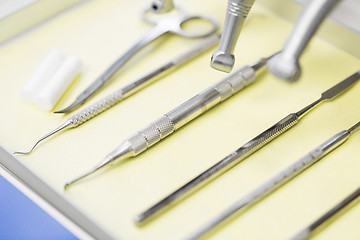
(308, 231)
(181, 115)
(105, 103)
(243, 152)
(278, 180)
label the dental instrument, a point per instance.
(286, 64)
(162, 6)
(278, 180)
(172, 24)
(105, 103)
(223, 58)
(243, 152)
(307, 232)
(181, 115)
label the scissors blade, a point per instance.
(84, 95)
(71, 107)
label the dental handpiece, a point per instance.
(278, 180)
(242, 153)
(112, 99)
(286, 64)
(180, 116)
(223, 58)
(308, 231)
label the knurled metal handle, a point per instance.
(228, 162)
(151, 134)
(240, 154)
(235, 82)
(96, 108)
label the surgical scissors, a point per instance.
(174, 23)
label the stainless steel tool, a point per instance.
(277, 181)
(162, 6)
(180, 116)
(307, 232)
(105, 103)
(243, 152)
(223, 59)
(171, 23)
(286, 64)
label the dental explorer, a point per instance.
(181, 115)
(278, 180)
(286, 64)
(105, 103)
(171, 24)
(308, 231)
(223, 58)
(243, 152)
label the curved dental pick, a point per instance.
(103, 104)
(67, 124)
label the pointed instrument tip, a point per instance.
(354, 128)
(72, 106)
(21, 153)
(63, 126)
(102, 164)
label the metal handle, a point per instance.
(151, 134)
(251, 147)
(96, 108)
(191, 109)
(211, 96)
(222, 166)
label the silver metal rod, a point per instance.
(275, 182)
(242, 153)
(112, 99)
(173, 120)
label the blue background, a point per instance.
(20, 218)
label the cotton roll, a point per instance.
(57, 85)
(41, 75)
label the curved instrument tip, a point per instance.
(63, 126)
(71, 107)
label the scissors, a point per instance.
(174, 23)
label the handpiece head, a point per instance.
(284, 67)
(222, 61)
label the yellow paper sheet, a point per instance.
(99, 32)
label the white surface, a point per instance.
(9, 7)
(57, 85)
(16, 16)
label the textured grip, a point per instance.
(151, 134)
(96, 108)
(235, 82)
(240, 154)
(240, 7)
(268, 135)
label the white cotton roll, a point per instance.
(57, 85)
(41, 75)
